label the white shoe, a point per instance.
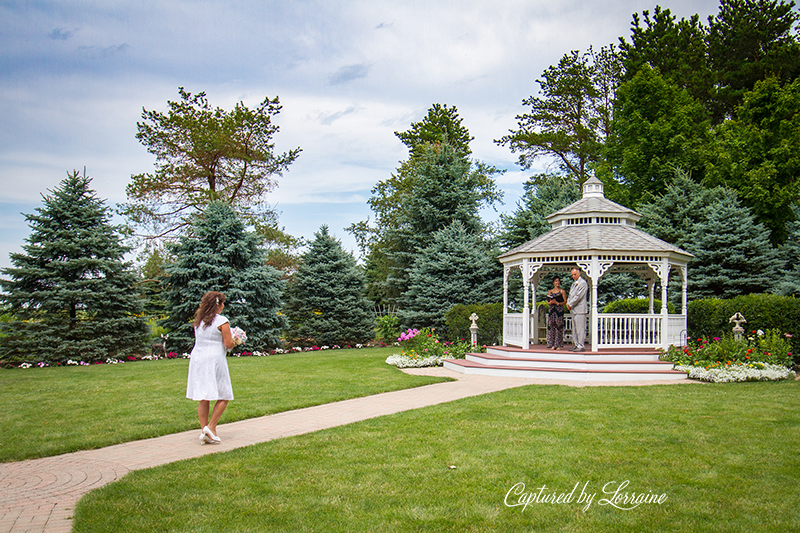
(210, 435)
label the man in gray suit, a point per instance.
(576, 303)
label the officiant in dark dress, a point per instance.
(556, 298)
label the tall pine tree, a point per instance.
(220, 255)
(325, 301)
(70, 292)
(446, 189)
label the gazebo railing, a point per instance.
(634, 329)
(676, 330)
(512, 329)
(615, 330)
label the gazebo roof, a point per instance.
(600, 238)
(595, 225)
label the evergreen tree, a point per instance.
(70, 292)
(325, 301)
(734, 251)
(569, 121)
(749, 41)
(678, 49)
(445, 190)
(457, 267)
(790, 254)
(441, 124)
(732, 255)
(220, 255)
(438, 140)
(205, 154)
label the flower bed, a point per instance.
(175, 355)
(761, 356)
(423, 348)
(733, 372)
(405, 361)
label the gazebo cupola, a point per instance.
(598, 236)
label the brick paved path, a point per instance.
(38, 496)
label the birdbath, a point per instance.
(738, 330)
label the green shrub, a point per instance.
(490, 323)
(636, 305)
(387, 328)
(710, 317)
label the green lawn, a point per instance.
(725, 457)
(55, 410)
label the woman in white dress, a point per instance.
(209, 379)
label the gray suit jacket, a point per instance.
(577, 297)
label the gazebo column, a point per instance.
(594, 270)
(526, 310)
(651, 287)
(664, 309)
(593, 319)
(684, 303)
(506, 274)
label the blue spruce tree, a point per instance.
(325, 302)
(458, 267)
(220, 255)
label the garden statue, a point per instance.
(738, 330)
(473, 329)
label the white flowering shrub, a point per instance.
(738, 372)
(405, 361)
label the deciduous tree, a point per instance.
(758, 154)
(205, 154)
(657, 128)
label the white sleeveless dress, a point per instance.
(208, 369)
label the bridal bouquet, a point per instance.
(239, 336)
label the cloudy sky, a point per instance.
(75, 75)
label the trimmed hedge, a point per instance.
(636, 305)
(490, 323)
(710, 317)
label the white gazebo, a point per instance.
(598, 236)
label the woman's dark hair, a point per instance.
(556, 278)
(208, 308)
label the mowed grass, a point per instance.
(55, 410)
(725, 457)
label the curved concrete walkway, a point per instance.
(38, 496)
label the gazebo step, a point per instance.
(605, 354)
(579, 361)
(533, 371)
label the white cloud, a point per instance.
(74, 76)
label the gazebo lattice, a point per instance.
(599, 236)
